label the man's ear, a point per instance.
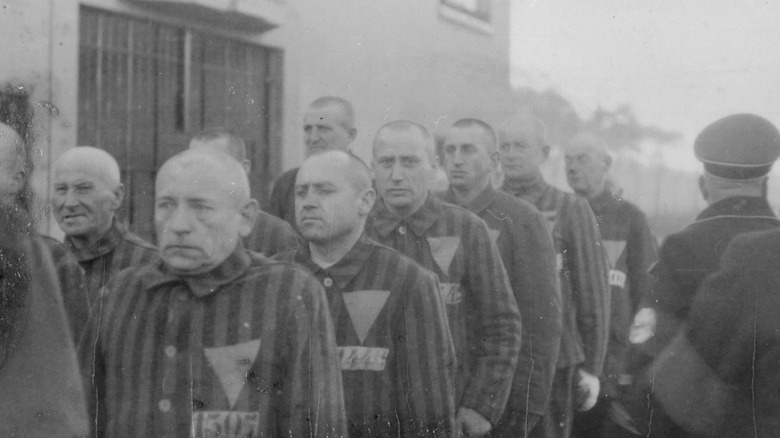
(495, 160)
(18, 181)
(367, 200)
(119, 196)
(248, 212)
(352, 134)
(546, 151)
(247, 165)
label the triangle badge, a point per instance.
(231, 364)
(443, 250)
(363, 307)
(493, 235)
(614, 250)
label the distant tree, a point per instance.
(620, 128)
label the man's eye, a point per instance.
(504, 146)
(408, 162)
(300, 192)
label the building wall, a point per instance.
(392, 59)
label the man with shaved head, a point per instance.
(526, 247)
(631, 250)
(582, 266)
(270, 235)
(40, 384)
(328, 124)
(86, 192)
(397, 358)
(212, 339)
(456, 245)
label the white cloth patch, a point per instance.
(357, 358)
(614, 250)
(617, 278)
(443, 250)
(228, 424)
(363, 307)
(494, 235)
(450, 293)
(231, 363)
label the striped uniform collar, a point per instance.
(385, 222)
(531, 191)
(107, 243)
(477, 205)
(233, 267)
(344, 270)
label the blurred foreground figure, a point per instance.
(631, 250)
(212, 339)
(526, 247)
(456, 245)
(86, 194)
(721, 378)
(397, 356)
(328, 124)
(583, 273)
(41, 392)
(270, 235)
(737, 151)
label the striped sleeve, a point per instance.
(494, 325)
(314, 405)
(586, 261)
(425, 359)
(272, 236)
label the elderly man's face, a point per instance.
(327, 204)
(198, 220)
(323, 129)
(402, 169)
(84, 201)
(467, 158)
(586, 170)
(521, 153)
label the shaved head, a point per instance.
(207, 166)
(221, 139)
(346, 114)
(587, 164)
(426, 140)
(491, 143)
(89, 160)
(527, 125)
(344, 163)
(591, 143)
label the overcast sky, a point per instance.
(680, 63)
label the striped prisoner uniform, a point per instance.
(115, 251)
(584, 291)
(397, 356)
(282, 203)
(246, 350)
(520, 233)
(483, 315)
(271, 236)
(72, 285)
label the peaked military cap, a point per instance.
(739, 146)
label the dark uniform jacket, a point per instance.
(721, 378)
(397, 356)
(481, 308)
(72, 285)
(520, 233)
(687, 257)
(283, 197)
(631, 250)
(272, 236)
(583, 273)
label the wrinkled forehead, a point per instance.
(197, 179)
(408, 142)
(73, 171)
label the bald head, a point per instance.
(341, 163)
(522, 148)
(89, 160)
(328, 124)
(524, 126)
(413, 131)
(222, 140)
(587, 164)
(206, 166)
(346, 115)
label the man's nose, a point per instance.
(179, 221)
(71, 200)
(457, 158)
(397, 173)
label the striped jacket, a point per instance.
(115, 251)
(520, 233)
(397, 356)
(282, 204)
(631, 250)
(271, 236)
(483, 315)
(72, 285)
(246, 350)
(583, 267)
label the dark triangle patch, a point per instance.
(363, 307)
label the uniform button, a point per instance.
(164, 405)
(328, 282)
(170, 351)
(402, 230)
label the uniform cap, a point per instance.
(739, 146)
